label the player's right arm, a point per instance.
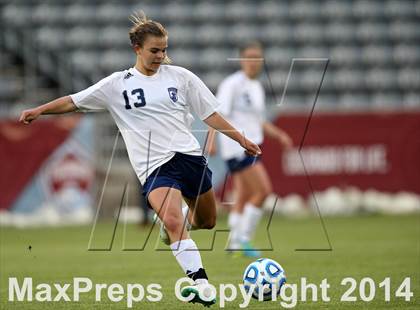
(58, 106)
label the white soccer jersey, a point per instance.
(153, 113)
(243, 105)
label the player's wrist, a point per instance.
(244, 142)
(40, 110)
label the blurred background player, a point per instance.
(243, 104)
(169, 167)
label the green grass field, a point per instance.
(370, 246)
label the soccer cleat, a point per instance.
(244, 250)
(162, 231)
(249, 251)
(205, 298)
(234, 251)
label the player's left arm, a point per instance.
(278, 134)
(217, 122)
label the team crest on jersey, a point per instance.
(173, 94)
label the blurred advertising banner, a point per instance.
(378, 151)
(47, 171)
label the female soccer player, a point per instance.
(242, 101)
(151, 104)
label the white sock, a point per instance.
(187, 255)
(234, 222)
(201, 281)
(249, 222)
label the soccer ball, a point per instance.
(265, 277)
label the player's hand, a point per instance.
(251, 148)
(27, 116)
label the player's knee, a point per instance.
(262, 193)
(172, 223)
(240, 202)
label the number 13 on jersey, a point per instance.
(140, 96)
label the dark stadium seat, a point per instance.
(409, 79)
(400, 9)
(275, 33)
(81, 37)
(307, 33)
(372, 9)
(406, 54)
(304, 10)
(210, 34)
(238, 32)
(111, 13)
(279, 57)
(51, 39)
(338, 31)
(385, 99)
(377, 55)
(273, 10)
(348, 79)
(380, 79)
(404, 31)
(79, 13)
(116, 60)
(181, 34)
(336, 10)
(343, 55)
(184, 58)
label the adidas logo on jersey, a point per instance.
(127, 76)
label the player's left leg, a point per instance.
(258, 181)
(202, 210)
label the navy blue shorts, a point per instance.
(188, 173)
(240, 163)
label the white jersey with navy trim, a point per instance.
(242, 103)
(153, 113)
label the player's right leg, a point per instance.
(166, 202)
(257, 184)
(236, 210)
